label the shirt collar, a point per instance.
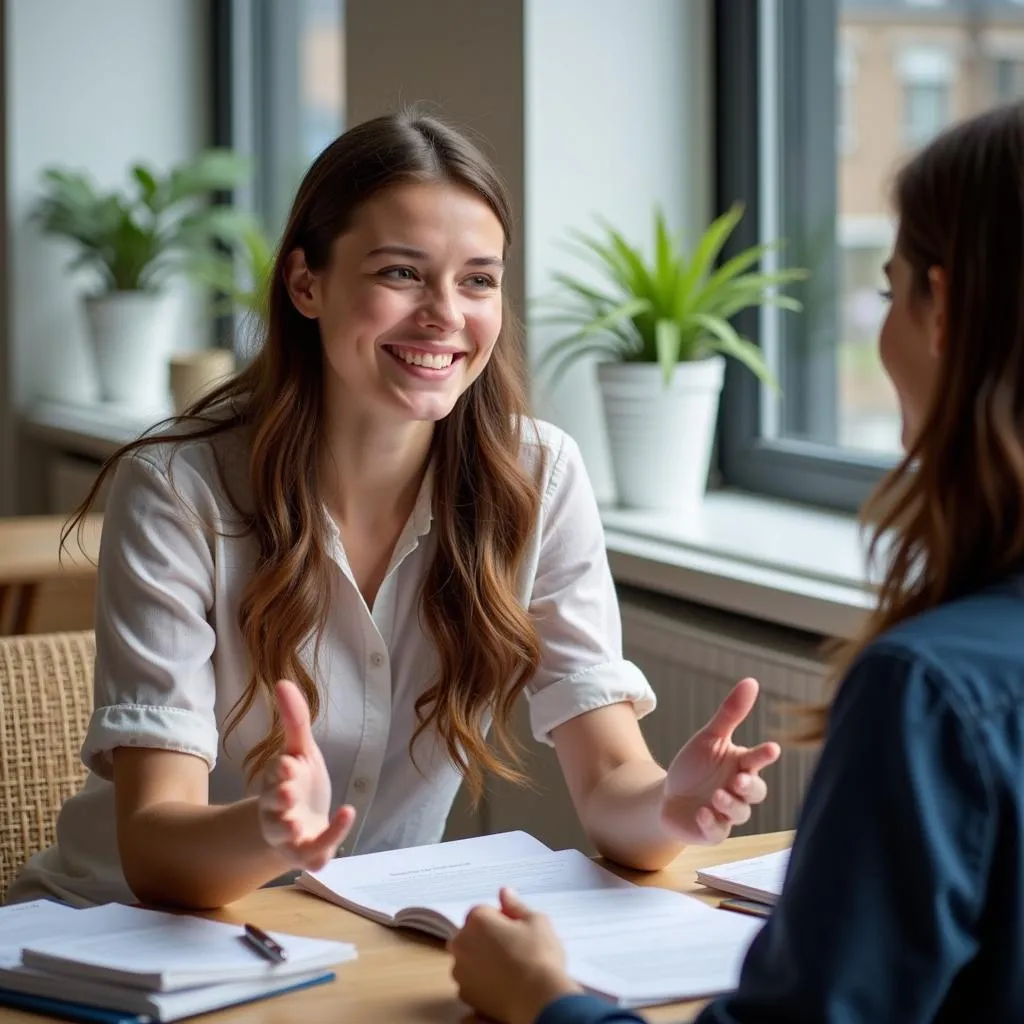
(423, 510)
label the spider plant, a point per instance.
(670, 309)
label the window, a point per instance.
(788, 148)
(279, 72)
(926, 76)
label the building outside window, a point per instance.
(927, 77)
(866, 82)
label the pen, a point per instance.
(264, 944)
(751, 907)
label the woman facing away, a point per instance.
(321, 588)
(904, 900)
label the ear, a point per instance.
(938, 311)
(303, 285)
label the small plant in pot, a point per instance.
(136, 240)
(661, 329)
(237, 273)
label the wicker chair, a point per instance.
(45, 704)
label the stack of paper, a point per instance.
(634, 945)
(757, 878)
(139, 964)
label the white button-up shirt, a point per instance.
(171, 663)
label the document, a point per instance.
(756, 878)
(24, 922)
(634, 945)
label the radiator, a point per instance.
(692, 657)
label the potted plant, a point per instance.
(661, 327)
(237, 272)
(136, 240)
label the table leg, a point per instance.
(6, 600)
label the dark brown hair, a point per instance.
(949, 518)
(485, 504)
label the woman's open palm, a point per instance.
(295, 798)
(713, 782)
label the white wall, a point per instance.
(94, 84)
(618, 117)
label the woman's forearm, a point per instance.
(622, 817)
(195, 856)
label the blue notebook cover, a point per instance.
(67, 1011)
(64, 1010)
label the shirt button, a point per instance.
(376, 659)
(359, 785)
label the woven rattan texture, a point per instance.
(45, 704)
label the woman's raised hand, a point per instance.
(295, 795)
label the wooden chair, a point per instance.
(30, 561)
(46, 701)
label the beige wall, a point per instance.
(463, 58)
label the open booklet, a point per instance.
(756, 878)
(634, 945)
(156, 966)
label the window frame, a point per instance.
(804, 471)
(255, 45)
(255, 49)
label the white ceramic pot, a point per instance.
(661, 436)
(131, 342)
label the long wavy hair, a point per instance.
(949, 518)
(485, 504)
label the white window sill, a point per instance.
(93, 429)
(770, 560)
(766, 559)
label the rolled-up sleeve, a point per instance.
(154, 681)
(575, 608)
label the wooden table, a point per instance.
(30, 558)
(401, 976)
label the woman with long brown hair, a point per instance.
(904, 897)
(323, 586)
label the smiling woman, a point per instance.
(409, 335)
(325, 584)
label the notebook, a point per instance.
(96, 1001)
(103, 963)
(161, 952)
(756, 878)
(633, 945)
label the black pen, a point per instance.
(264, 944)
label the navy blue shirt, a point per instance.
(904, 898)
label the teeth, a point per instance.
(432, 361)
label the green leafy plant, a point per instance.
(137, 237)
(238, 272)
(673, 308)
